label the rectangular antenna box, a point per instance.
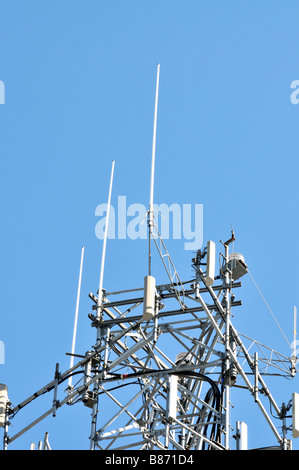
(211, 258)
(295, 415)
(172, 397)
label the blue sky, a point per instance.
(79, 92)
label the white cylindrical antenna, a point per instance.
(76, 315)
(100, 294)
(151, 201)
(149, 300)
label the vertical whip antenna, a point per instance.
(151, 202)
(76, 315)
(100, 296)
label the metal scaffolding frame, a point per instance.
(178, 370)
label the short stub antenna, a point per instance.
(294, 346)
(295, 333)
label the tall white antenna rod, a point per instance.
(151, 203)
(100, 296)
(76, 315)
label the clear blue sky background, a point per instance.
(79, 92)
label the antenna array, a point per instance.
(174, 349)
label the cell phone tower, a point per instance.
(167, 358)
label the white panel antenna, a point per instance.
(171, 410)
(295, 415)
(211, 257)
(3, 403)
